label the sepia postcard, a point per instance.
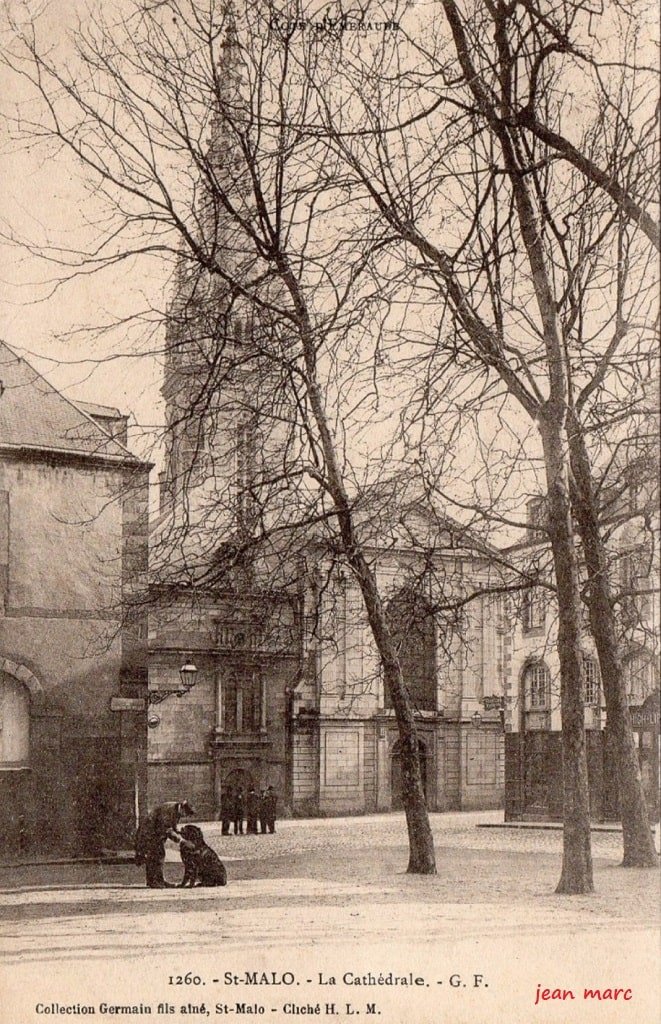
(329, 511)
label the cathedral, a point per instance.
(250, 591)
(289, 690)
(248, 586)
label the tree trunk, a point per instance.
(639, 849)
(421, 842)
(422, 860)
(576, 876)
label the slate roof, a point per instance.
(401, 496)
(34, 415)
(108, 412)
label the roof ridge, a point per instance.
(102, 434)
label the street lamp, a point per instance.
(187, 680)
(187, 674)
(476, 719)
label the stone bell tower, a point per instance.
(213, 380)
(228, 495)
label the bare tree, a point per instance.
(258, 178)
(194, 136)
(431, 130)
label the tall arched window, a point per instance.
(537, 686)
(640, 676)
(242, 699)
(534, 609)
(592, 680)
(414, 630)
(14, 723)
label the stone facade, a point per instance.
(346, 740)
(319, 727)
(232, 728)
(73, 533)
(533, 722)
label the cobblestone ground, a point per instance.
(475, 864)
(334, 894)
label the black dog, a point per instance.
(202, 865)
(158, 826)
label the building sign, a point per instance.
(127, 704)
(493, 703)
(646, 716)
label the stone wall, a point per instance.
(63, 542)
(194, 750)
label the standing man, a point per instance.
(269, 807)
(158, 826)
(238, 813)
(252, 811)
(226, 809)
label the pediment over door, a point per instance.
(257, 627)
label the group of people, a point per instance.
(256, 809)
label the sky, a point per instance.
(45, 201)
(59, 329)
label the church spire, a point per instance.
(228, 85)
(211, 383)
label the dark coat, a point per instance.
(227, 805)
(269, 805)
(158, 826)
(164, 819)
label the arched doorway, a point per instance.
(238, 779)
(15, 723)
(396, 781)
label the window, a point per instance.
(537, 520)
(592, 680)
(640, 676)
(414, 631)
(243, 703)
(246, 472)
(635, 494)
(534, 609)
(14, 723)
(635, 568)
(537, 684)
(193, 449)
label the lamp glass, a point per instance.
(187, 674)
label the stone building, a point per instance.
(73, 532)
(533, 759)
(345, 746)
(288, 687)
(289, 691)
